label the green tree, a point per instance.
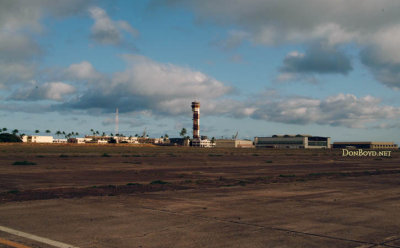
(58, 133)
(15, 131)
(48, 131)
(183, 132)
(7, 137)
(37, 131)
(4, 129)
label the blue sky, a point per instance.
(329, 68)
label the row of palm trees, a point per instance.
(74, 134)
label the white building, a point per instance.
(60, 141)
(202, 143)
(37, 139)
(79, 140)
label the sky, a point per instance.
(258, 67)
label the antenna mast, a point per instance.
(116, 122)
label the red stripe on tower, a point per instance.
(196, 120)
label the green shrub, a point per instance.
(132, 184)
(158, 182)
(23, 163)
(281, 175)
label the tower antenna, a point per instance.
(116, 122)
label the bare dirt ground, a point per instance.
(129, 196)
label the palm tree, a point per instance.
(183, 132)
(48, 131)
(76, 133)
(91, 130)
(4, 129)
(37, 131)
(58, 133)
(15, 131)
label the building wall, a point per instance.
(37, 139)
(293, 142)
(365, 145)
(225, 143)
(280, 142)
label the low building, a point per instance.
(37, 139)
(124, 139)
(232, 143)
(365, 145)
(80, 140)
(179, 141)
(202, 143)
(60, 141)
(299, 141)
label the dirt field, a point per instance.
(129, 196)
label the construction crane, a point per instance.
(144, 132)
(235, 136)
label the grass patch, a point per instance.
(158, 182)
(322, 174)
(13, 192)
(23, 163)
(215, 155)
(132, 162)
(106, 155)
(283, 175)
(133, 184)
(242, 183)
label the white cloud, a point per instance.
(107, 31)
(19, 21)
(149, 85)
(55, 91)
(83, 71)
(339, 110)
(364, 23)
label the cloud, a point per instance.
(82, 71)
(145, 84)
(107, 31)
(318, 59)
(341, 110)
(362, 23)
(385, 71)
(234, 40)
(55, 91)
(19, 21)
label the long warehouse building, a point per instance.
(299, 141)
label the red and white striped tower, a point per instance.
(196, 120)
